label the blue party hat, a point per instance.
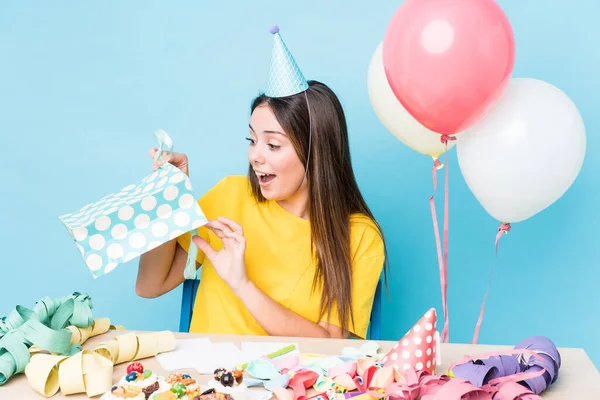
(285, 78)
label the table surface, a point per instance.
(578, 379)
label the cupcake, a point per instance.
(178, 386)
(177, 377)
(121, 392)
(206, 395)
(193, 391)
(228, 382)
(166, 395)
(212, 394)
(145, 379)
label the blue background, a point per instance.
(84, 85)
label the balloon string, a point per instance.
(442, 260)
(437, 165)
(503, 229)
(445, 331)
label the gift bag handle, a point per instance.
(165, 143)
(189, 272)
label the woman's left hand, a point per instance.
(229, 261)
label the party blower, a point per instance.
(140, 217)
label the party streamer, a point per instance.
(26, 331)
(527, 370)
(91, 371)
(518, 374)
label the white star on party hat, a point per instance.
(285, 77)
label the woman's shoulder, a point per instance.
(234, 182)
(233, 185)
(366, 238)
(360, 221)
(229, 190)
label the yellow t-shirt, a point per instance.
(278, 261)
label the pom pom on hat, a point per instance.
(274, 29)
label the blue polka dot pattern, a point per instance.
(121, 226)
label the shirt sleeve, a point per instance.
(209, 204)
(367, 265)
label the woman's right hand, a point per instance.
(179, 160)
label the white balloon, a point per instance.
(525, 153)
(394, 116)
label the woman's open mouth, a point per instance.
(265, 179)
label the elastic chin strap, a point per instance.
(309, 137)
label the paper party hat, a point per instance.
(285, 77)
(417, 349)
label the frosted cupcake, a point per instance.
(145, 379)
(177, 377)
(228, 382)
(166, 395)
(191, 394)
(178, 386)
(211, 394)
(122, 392)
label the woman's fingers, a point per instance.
(179, 160)
(234, 226)
(161, 159)
(223, 231)
(205, 247)
(217, 225)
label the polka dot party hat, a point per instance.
(417, 349)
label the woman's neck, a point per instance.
(297, 204)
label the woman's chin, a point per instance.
(267, 194)
(271, 193)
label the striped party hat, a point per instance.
(285, 77)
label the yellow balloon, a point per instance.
(394, 116)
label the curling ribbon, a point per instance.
(510, 386)
(369, 381)
(131, 347)
(27, 331)
(437, 165)
(503, 229)
(91, 371)
(442, 259)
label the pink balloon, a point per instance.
(448, 61)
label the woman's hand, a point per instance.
(179, 160)
(229, 261)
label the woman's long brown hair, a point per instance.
(333, 192)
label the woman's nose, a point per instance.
(255, 156)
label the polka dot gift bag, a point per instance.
(123, 225)
(419, 349)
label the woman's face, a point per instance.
(273, 157)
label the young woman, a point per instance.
(290, 250)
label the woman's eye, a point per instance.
(274, 146)
(250, 140)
